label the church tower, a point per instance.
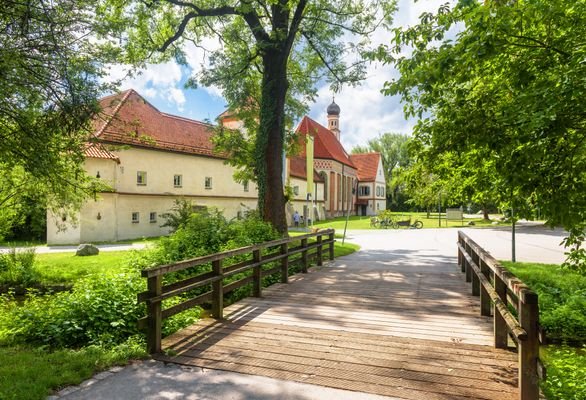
(334, 119)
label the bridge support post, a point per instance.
(528, 349)
(331, 239)
(485, 303)
(217, 291)
(285, 263)
(501, 333)
(154, 314)
(304, 256)
(319, 251)
(257, 274)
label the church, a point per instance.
(149, 159)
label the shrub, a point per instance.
(562, 298)
(99, 310)
(17, 267)
(566, 372)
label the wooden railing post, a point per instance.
(331, 239)
(468, 268)
(319, 251)
(528, 349)
(218, 292)
(285, 263)
(501, 333)
(485, 303)
(304, 256)
(154, 314)
(257, 274)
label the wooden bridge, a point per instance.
(409, 330)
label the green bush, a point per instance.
(17, 267)
(100, 309)
(562, 298)
(566, 372)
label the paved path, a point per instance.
(320, 310)
(73, 248)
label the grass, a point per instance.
(29, 373)
(66, 268)
(562, 312)
(562, 298)
(34, 373)
(566, 372)
(358, 222)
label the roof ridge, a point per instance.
(164, 114)
(116, 109)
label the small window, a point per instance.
(377, 206)
(141, 178)
(178, 181)
(208, 182)
(245, 185)
(153, 217)
(378, 191)
(135, 217)
(364, 190)
(239, 215)
(295, 190)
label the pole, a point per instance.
(513, 255)
(439, 210)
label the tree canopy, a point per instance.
(49, 84)
(503, 84)
(272, 54)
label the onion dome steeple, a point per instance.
(334, 118)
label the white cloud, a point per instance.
(156, 81)
(365, 111)
(198, 59)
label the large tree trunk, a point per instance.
(270, 138)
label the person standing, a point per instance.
(296, 219)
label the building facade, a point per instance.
(149, 160)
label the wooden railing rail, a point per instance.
(498, 289)
(277, 251)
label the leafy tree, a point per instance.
(48, 80)
(393, 148)
(508, 86)
(273, 53)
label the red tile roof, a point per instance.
(298, 169)
(97, 150)
(129, 119)
(326, 144)
(367, 165)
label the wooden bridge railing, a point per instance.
(500, 292)
(278, 251)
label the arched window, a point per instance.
(324, 176)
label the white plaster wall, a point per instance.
(106, 168)
(62, 232)
(161, 166)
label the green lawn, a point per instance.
(30, 374)
(356, 222)
(562, 312)
(66, 268)
(33, 373)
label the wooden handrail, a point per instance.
(498, 289)
(281, 254)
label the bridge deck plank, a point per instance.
(401, 331)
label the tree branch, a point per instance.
(295, 23)
(321, 57)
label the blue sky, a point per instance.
(365, 112)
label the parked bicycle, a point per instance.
(417, 224)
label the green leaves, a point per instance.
(506, 95)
